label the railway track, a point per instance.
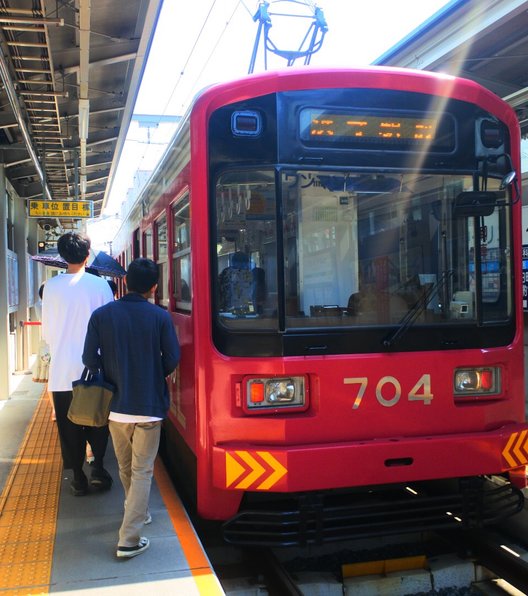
(455, 555)
(494, 551)
(489, 555)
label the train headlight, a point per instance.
(282, 391)
(477, 381)
(263, 393)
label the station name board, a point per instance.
(76, 209)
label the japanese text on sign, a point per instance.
(75, 209)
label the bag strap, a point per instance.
(87, 375)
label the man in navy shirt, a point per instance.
(134, 343)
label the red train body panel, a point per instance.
(383, 384)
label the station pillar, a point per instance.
(4, 291)
(22, 314)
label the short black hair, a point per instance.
(142, 274)
(74, 247)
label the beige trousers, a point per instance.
(136, 447)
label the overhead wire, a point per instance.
(189, 57)
(182, 72)
(188, 60)
(228, 22)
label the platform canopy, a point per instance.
(70, 72)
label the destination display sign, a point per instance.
(320, 127)
(378, 127)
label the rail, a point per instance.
(486, 548)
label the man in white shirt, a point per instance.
(68, 302)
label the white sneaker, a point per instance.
(128, 552)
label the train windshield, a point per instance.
(313, 249)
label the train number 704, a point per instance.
(390, 385)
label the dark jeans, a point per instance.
(73, 437)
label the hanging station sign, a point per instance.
(74, 209)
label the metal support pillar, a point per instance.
(4, 292)
(21, 248)
(34, 283)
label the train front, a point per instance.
(366, 327)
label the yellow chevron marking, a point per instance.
(518, 446)
(233, 469)
(278, 470)
(258, 470)
(506, 451)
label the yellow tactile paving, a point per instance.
(28, 509)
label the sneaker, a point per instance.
(101, 479)
(128, 552)
(79, 488)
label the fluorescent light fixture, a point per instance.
(84, 117)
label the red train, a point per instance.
(341, 254)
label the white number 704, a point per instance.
(420, 392)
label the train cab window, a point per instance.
(375, 253)
(372, 249)
(148, 244)
(181, 255)
(163, 262)
(246, 250)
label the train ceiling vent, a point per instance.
(310, 40)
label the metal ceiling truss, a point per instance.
(28, 73)
(70, 73)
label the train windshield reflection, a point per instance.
(356, 249)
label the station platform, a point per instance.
(51, 541)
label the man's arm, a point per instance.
(91, 357)
(170, 347)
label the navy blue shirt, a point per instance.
(134, 343)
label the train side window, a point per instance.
(246, 250)
(135, 245)
(162, 259)
(181, 255)
(148, 245)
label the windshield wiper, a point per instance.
(416, 310)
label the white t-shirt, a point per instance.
(131, 418)
(68, 302)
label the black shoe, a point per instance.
(100, 479)
(79, 488)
